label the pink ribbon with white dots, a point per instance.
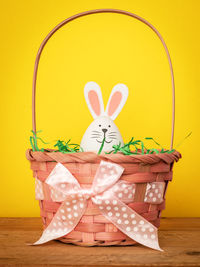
(108, 193)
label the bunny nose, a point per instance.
(104, 130)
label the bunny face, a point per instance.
(103, 126)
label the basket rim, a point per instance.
(92, 157)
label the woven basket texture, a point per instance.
(94, 229)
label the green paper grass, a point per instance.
(133, 147)
(102, 145)
(184, 139)
(67, 147)
(33, 141)
(137, 147)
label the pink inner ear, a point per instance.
(114, 103)
(94, 101)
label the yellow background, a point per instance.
(108, 49)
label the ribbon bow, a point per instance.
(107, 193)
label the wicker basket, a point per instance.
(94, 229)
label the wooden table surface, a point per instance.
(179, 237)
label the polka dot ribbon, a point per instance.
(108, 193)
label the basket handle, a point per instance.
(93, 12)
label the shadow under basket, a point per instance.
(94, 229)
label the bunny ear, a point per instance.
(117, 100)
(94, 99)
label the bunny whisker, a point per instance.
(96, 131)
(112, 132)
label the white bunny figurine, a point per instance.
(103, 125)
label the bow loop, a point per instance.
(106, 176)
(62, 181)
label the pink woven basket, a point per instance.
(94, 229)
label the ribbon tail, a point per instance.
(64, 221)
(128, 221)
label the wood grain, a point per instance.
(179, 237)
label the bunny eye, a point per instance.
(109, 126)
(99, 125)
